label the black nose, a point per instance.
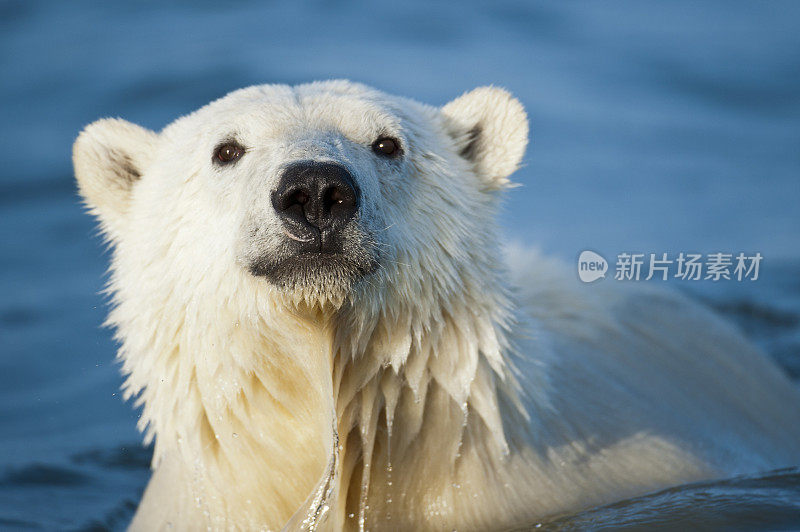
(316, 200)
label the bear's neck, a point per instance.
(276, 404)
(414, 380)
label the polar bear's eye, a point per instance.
(227, 152)
(386, 147)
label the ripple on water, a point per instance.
(770, 501)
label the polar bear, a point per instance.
(312, 311)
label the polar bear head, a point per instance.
(314, 191)
(289, 260)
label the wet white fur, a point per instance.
(427, 396)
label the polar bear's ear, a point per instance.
(491, 130)
(109, 156)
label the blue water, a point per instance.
(657, 127)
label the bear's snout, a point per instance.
(315, 200)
